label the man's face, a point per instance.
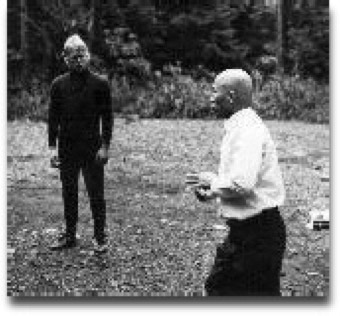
(222, 100)
(77, 59)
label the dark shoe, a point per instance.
(63, 235)
(64, 242)
(100, 247)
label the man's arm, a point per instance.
(106, 116)
(243, 165)
(208, 193)
(241, 168)
(207, 184)
(53, 117)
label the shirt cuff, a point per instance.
(219, 183)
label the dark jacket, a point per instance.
(80, 114)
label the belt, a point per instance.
(253, 219)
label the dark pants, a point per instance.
(249, 261)
(93, 173)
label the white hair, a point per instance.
(234, 77)
(74, 42)
(237, 80)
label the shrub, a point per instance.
(180, 96)
(29, 103)
(175, 97)
(294, 98)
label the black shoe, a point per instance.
(63, 235)
(64, 242)
(101, 246)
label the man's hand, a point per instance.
(53, 152)
(103, 155)
(204, 194)
(53, 156)
(201, 182)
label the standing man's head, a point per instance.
(76, 54)
(232, 92)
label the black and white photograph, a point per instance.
(168, 148)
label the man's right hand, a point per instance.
(54, 159)
(204, 194)
(53, 151)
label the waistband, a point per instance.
(273, 211)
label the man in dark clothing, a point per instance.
(80, 123)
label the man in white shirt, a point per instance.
(249, 189)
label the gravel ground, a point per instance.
(162, 241)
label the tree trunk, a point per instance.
(283, 11)
(279, 54)
(23, 38)
(94, 32)
(92, 22)
(286, 11)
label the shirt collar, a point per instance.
(82, 76)
(237, 116)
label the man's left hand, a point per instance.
(204, 194)
(103, 155)
(206, 178)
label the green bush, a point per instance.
(31, 103)
(294, 98)
(308, 43)
(177, 97)
(124, 95)
(180, 96)
(167, 97)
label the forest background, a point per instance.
(161, 56)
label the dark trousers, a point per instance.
(93, 173)
(249, 261)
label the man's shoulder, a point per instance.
(60, 79)
(256, 128)
(99, 78)
(244, 117)
(246, 124)
(250, 118)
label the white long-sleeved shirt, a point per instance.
(249, 167)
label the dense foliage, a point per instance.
(216, 38)
(199, 41)
(308, 44)
(180, 96)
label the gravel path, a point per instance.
(162, 241)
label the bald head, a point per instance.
(237, 84)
